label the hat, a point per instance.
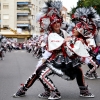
(54, 18)
(87, 30)
(51, 12)
(84, 18)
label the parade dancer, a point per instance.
(88, 18)
(3, 40)
(44, 24)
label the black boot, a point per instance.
(89, 75)
(45, 94)
(20, 92)
(84, 92)
(54, 95)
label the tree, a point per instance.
(88, 3)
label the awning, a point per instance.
(23, 25)
(22, 3)
(22, 13)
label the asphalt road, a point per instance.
(19, 65)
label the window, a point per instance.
(22, 5)
(5, 6)
(33, 17)
(5, 16)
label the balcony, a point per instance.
(23, 25)
(23, 21)
(22, 14)
(25, 28)
(23, 11)
(22, 6)
(22, 18)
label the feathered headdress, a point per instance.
(50, 13)
(52, 8)
(87, 18)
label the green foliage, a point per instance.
(88, 3)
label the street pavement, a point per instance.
(18, 65)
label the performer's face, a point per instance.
(75, 32)
(56, 27)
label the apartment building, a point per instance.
(20, 16)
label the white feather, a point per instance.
(39, 15)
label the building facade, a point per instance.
(20, 16)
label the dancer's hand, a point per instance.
(67, 39)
